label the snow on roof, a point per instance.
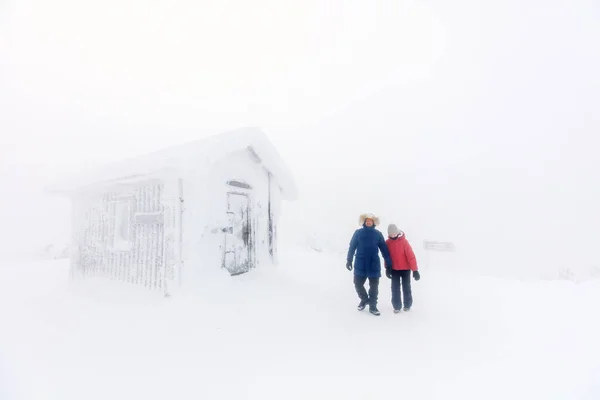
(209, 150)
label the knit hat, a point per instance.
(363, 217)
(393, 230)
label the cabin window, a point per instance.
(122, 228)
(239, 184)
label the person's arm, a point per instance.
(387, 243)
(410, 256)
(384, 251)
(352, 249)
(412, 261)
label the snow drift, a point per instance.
(293, 332)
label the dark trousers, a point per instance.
(397, 278)
(359, 285)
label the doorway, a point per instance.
(238, 255)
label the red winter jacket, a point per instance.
(401, 253)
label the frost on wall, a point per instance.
(121, 235)
(232, 212)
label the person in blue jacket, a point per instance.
(364, 249)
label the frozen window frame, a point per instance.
(122, 232)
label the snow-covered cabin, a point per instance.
(160, 219)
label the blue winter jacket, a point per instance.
(366, 242)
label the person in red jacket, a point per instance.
(403, 262)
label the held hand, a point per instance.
(416, 275)
(388, 272)
(349, 266)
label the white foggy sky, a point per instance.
(468, 121)
(206, 66)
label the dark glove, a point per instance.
(388, 272)
(416, 275)
(349, 266)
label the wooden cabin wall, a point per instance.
(136, 253)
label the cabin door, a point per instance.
(239, 251)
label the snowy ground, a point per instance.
(294, 333)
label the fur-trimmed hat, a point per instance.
(364, 217)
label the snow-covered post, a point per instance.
(171, 203)
(75, 272)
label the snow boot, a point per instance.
(397, 311)
(406, 309)
(374, 311)
(362, 305)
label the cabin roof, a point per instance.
(181, 156)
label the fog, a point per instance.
(458, 121)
